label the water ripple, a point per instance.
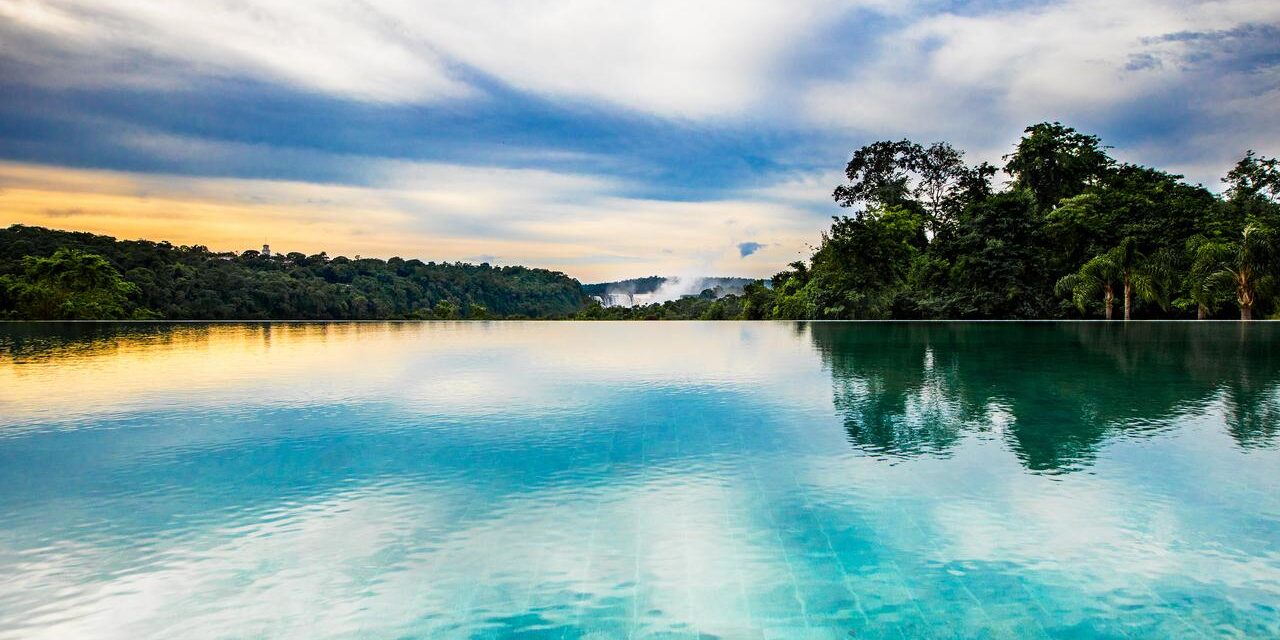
(639, 480)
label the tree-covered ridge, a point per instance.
(647, 284)
(48, 274)
(651, 284)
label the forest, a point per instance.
(1061, 230)
(1071, 233)
(60, 275)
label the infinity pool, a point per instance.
(640, 480)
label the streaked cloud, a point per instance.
(1145, 70)
(610, 139)
(667, 57)
(329, 46)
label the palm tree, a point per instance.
(1123, 265)
(1098, 275)
(1206, 258)
(1140, 274)
(1243, 265)
(1158, 279)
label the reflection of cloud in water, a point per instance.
(566, 479)
(654, 550)
(441, 367)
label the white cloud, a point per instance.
(332, 47)
(971, 73)
(668, 56)
(972, 77)
(976, 78)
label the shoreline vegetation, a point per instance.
(1072, 234)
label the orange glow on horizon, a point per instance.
(605, 238)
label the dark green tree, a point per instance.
(758, 301)
(1199, 286)
(859, 268)
(879, 175)
(1054, 161)
(181, 282)
(1125, 266)
(1099, 275)
(997, 270)
(69, 285)
(1254, 177)
(933, 179)
(1244, 265)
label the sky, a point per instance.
(604, 138)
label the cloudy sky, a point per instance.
(603, 138)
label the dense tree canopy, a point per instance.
(1073, 234)
(64, 275)
(69, 285)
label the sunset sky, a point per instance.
(606, 139)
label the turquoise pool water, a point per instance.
(649, 480)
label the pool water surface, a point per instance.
(640, 480)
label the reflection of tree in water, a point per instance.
(887, 382)
(1252, 401)
(31, 341)
(1254, 422)
(1053, 391)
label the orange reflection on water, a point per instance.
(84, 369)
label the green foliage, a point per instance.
(177, 283)
(1245, 266)
(997, 270)
(1053, 162)
(1123, 267)
(879, 174)
(1074, 230)
(858, 270)
(1096, 277)
(1253, 178)
(757, 301)
(699, 307)
(1253, 195)
(477, 312)
(1198, 284)
(445, 310)
(933, 180)
(68, 285)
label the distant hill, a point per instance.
(658, 289)
(634, 285)
(181, 282)
(652, 283)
